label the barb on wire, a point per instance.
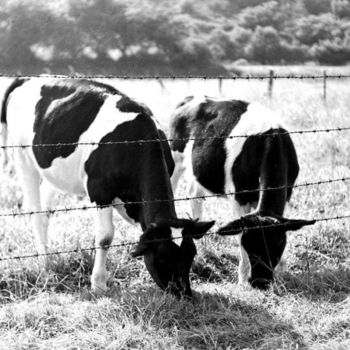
(140, 142)
(174, 77)
(144, 202)
(132, 243)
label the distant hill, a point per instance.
(129, 37)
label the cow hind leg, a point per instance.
(103, 238)
(30, 179)
(195, 190)
(179, 169)
(47, 195)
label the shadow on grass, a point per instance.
(211, 267)
(68, 274)
(320, 282)
(317, 284)
(223, 322)
(209, 321)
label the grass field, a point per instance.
(308, 307)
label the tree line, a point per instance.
(169, 37)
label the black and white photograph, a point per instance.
(175, 174)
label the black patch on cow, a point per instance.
(180, 131)
(130, 171)
(211, 125)
(65, 110)
(179, 127)
(14, 85)
(266, 161)
(127, 105)
(167, 152)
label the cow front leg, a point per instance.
(237, 212)
(282, 265)
(244, 267)
(103, 238)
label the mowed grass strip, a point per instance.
(306, 308)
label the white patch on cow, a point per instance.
(178, 157)
(176, 235)
(179, 169)
(119, 205)
(256, 120)
(191, 107)
(156, 121)
(21, 112)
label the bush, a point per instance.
(332, 52)
(267, 14)
(341, 8)
(312, 29)
(316, 7)
(266, 46)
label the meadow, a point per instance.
(308, 306)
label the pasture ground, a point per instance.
(308, 307)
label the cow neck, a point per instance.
(273, 173)
(156, 191)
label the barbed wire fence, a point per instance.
(270, 77)
(13, 214)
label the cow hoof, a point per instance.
(244, 284)
(44, 264)
(281, 267)
(99, 290)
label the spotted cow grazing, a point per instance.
(219, 162)
(51, 111)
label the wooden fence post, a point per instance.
(162, 86)
(220, 86)
(270, 86)
(325, 86)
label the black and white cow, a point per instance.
(218, 162)
(51, 111)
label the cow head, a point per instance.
(264, 239)
(169, 263)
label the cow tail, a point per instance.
(3, 115)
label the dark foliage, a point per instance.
(153, 37)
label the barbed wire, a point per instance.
(133, 243)
(174, 77)
(173, 200)
(186, 139)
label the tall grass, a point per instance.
(306, 308)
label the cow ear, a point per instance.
(231, 229)
(143, 246)
(200, 228)
(293, 225)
